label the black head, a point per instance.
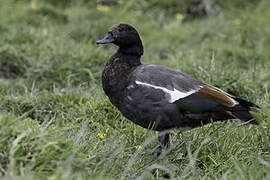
(125, 37)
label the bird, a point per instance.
(160, 98)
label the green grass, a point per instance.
(52, 106)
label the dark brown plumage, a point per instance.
(160, 98)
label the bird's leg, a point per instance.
(163, 138)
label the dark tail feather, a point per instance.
(246, 104)
(244, 116)
(241, 111)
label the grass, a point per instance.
(56, 123)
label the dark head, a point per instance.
(125, 37)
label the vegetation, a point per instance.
(56, 122)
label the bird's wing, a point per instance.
(217, 95)
(174, 83)
(188, 92)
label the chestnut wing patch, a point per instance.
(217, 96)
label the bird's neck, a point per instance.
(123, 56)
(117, 70)
(135, 49)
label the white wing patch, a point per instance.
(175, 94)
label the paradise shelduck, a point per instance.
(160, 98)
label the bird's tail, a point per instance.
(244, 116)
(242, 111)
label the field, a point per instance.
(56, 122)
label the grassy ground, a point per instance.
(56, 123)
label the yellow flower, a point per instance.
(139, 147)
(179, 16)
(237, 21)
(33, 5)
(101, 135)
(103, 8)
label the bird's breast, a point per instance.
(115, 79)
